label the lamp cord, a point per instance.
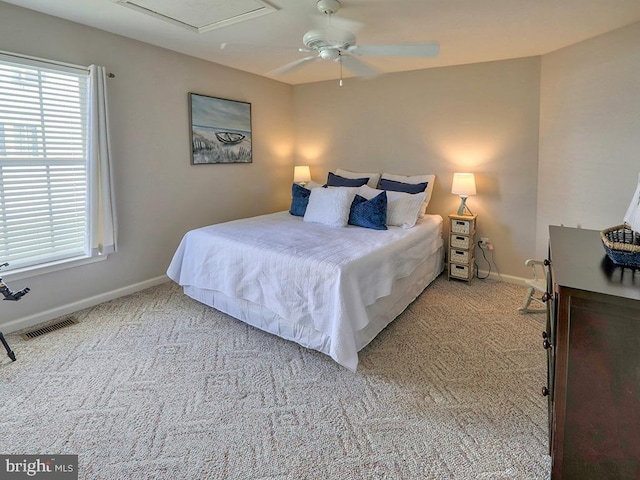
(486, 260)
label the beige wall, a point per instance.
(159, 195)
(589, 133)
(481, 118)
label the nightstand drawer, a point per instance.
(460, 271)
(459, 256)
(461, 226)
(460, 241)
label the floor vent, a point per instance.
(65, 322)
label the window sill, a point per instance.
(42, 269)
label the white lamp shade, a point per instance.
(301, 174)
(463, 184)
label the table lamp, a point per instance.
(301, 174)
(464, 184)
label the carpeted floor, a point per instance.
(158, 386)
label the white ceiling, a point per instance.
(469, 31)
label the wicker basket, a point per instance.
(622, 245)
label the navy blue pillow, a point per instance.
(369, 213)
(299, 200)
(402, 187)
(334, 180)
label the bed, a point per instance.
(326, 288)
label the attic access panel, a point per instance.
(201, 15)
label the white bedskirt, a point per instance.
(381, 313)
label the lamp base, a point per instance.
(463, 206)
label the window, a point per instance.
(44, 188)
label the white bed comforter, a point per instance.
(321, 277)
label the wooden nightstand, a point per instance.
(462, 230)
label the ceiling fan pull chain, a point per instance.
(340, 84)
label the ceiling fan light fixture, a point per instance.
(329, 54)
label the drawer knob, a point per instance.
(546, 262)
(545, 391)
(546, 297)
(546, 344)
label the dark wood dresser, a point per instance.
(593, 351)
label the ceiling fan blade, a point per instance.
(401, 50)
(291, 67)
(358, 67)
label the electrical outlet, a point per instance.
(484, 242)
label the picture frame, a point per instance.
(220, 130)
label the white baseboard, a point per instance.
(503, 278)
(36, 319)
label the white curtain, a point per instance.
(103, 234)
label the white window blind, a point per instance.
(43, 163)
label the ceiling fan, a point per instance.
(339, 44)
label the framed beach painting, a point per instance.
(220, 130)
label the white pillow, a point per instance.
(374, 178)
(413, 179)
(367, 192)
(403, 209)
(329, 206)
